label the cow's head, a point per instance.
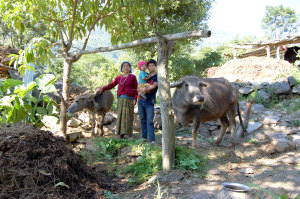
(190, 89)
(80, 102)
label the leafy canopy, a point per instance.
(279, 21)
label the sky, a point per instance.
(230, 18)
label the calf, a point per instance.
(199, 100)
(97, 104)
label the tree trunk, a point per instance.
(167, 113)
(65, 97)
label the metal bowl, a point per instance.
(237, 187)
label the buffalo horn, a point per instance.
(202, 84)
(176, 84)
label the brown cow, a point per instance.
(98, 105)
(199, 100)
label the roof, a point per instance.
(260, 48)
(4, 60)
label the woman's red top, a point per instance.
(126, 86)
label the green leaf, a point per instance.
(41, 110)
(45, 83)
(16, 115)
(32, 99)
(9, 83)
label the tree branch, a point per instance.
(175, 36)
(71, 35)
(92, 27)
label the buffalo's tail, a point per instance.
(240, 118)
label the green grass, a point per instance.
(150, 160)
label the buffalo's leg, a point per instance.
(231, 116)
(101, 124)
(224, 125)
(196, 124)
(93, 119)
(97, 123)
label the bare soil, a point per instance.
(254, 69)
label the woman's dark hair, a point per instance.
(151, 61)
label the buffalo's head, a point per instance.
(189, 87)
(80, 102)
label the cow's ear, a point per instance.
(91, 97)
(86, 93)
(202, 84)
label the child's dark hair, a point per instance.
(151, 61)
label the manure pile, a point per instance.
(35, 164)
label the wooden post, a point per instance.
(234, 53)
(278, 52)
(268, 51)
(168, 136)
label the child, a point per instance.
(143, 77)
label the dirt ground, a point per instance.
(246, 163)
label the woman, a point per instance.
(127, 95)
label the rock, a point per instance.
(279, 142)
(203, 129)
(271, 119)
(282, 87)
(72, 137)
(172, 177)
(84, 117)
(258, 108)
(176, 190)
(260, 136)
(246, 90)
(247, 170)
(296, 116)
(296, 89)
(253, 126)
(266, 97)
(269, 149)
(215, 172)
(50, 121)
(296, 140)
(73, 122)
(137, 123)
(157, 121)
(292, 81)
(109, 118)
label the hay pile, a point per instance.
(254, 69)
(35, 164)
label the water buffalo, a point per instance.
(98, 105)
(290, 54)
(199, 100)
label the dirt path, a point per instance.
(279, 173)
